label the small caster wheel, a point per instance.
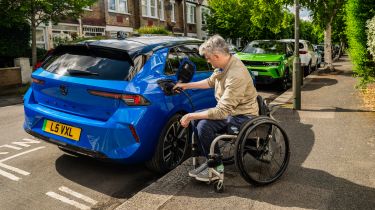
(219, 186)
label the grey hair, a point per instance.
(215, 44)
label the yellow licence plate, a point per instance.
(63, 130)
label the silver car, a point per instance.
(309, 58)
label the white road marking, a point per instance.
(17, 170)
(22, 153)
(3, 153)
(67, 200)
(78, 195)
(9, 175)
(26, 142)
(10, 146)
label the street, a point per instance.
(37, 175)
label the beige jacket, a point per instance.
(234, 91)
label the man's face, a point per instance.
(213, 59)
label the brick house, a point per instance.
(107, 17)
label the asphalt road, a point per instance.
(37, 175)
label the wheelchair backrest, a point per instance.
(263, 108)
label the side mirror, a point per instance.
(186, 71)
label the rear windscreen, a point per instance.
(88, 65)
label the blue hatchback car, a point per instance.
(107, 99)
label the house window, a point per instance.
(123, 6)
(119, 6)
(112, 5)
(40, 38)
(144, 7)
(205, 12)
(173, 16)
(190, 13)
(149, 8)
(161, 9)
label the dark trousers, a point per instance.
(205, 131)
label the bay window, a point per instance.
(118, 6)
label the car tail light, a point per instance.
(134, 133)
(37, 65)
(302, 52)
(130, 100)
(37, 81)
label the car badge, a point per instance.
(63, 90)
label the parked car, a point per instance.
(319, 55)
(309, 58)
(233, 49)
(320, 49)
(112, 99)
(269, 61)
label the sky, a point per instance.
(304, 13)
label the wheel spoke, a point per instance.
(167, 147)
(167, 157)
(182, 132)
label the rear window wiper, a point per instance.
(81, 72)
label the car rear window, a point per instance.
(88, 64)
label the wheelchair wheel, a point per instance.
(262, 151)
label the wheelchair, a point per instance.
(259, 149)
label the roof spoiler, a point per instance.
(94, 50)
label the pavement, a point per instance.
(10, 96)
(332, 164)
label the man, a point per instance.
(235, 94)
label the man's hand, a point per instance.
(185, 120)
(179, 86)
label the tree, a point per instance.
(324, 13)
(43, 11)
(248, 19)
(312, 32)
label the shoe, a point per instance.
(203, 175)
(196, 171)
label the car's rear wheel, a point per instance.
(172, 148)
(307, 70)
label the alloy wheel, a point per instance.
(175, 144)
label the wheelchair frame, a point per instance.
(248, 127)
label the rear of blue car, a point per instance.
(82, 99)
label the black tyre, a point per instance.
(307, 70)
(284, 82)
(262, 151)
(173, 146)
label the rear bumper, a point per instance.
(66, 146)
(111, 139)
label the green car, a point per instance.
(269, 61)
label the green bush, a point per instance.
(357, 13)
(14, 41)
(153, 30)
